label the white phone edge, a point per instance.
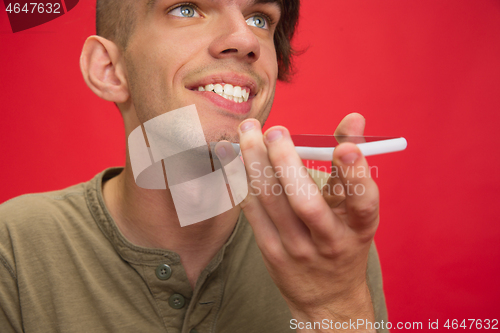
(367, 149)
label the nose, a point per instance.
(235, 39)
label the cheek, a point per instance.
(268, 58)
(166, 52)
(154, 64)
(178, 47)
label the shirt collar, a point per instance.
(128, 251)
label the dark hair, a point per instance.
(115, 20)
(283, 37)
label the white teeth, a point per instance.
(229, 97)
(228, 91)
(218, 89)
(236, 91)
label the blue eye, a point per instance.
(258, 21)
(184, 11)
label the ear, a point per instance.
(103, 69)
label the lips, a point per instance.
(242, 81)
(226, 105)
(230, 92)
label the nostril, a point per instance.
(251, 55)
(230, 51)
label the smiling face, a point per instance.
(217, 54)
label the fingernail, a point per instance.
(273, 135)
(246, 126)
(221, 152)
(349, 158)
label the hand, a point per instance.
(315, 243)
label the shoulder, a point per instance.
(25, 209)
(30, 220)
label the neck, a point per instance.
(148, 218)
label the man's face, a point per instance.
(179, 49)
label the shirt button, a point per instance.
(176, 301)
(163, 272)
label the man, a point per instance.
(109, 256)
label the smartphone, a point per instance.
(319, 147)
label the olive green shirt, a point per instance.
(65, 267)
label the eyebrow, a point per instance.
(255, 2)
(151, 3)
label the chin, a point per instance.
(222, 129)
(220, 136)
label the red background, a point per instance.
(428, 70)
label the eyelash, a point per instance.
(195, 7)
(269, 20)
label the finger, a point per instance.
(352, 125)
(266, 187)
(225, 152)
(362, 197)
(302, 192)
(266, 234)
(333, 191)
